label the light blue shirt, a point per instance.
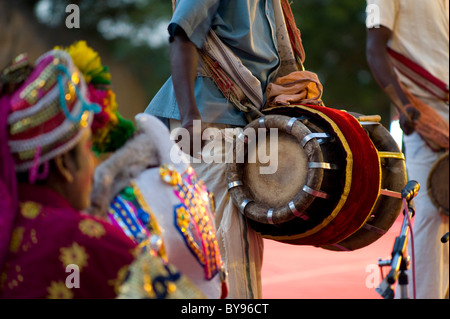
(247, 27)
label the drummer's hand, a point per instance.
(408, 125)
(195, 130)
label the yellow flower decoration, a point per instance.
(87, 60)
(91, 228)
(30, 210)
(75, 255)
(110, 130)
(111, 101)
(59, 290)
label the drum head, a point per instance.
(278, 189)
(438, 184)
(275, 196)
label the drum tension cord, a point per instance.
(400, 261)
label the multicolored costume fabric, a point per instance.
(51, 242)
(130, 212)
(192, 217)
(151, 278)
(155, 197)
(126, 213)
(48, 249)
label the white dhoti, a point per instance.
(429, 225)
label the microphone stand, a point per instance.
(400, 262)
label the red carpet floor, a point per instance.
(305, 272)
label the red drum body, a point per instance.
(336, 183)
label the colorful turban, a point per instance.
(48, 111)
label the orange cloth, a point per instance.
(431, 126)
(298, 87)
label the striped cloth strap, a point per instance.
(420, 76)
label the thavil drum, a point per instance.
(337, 181)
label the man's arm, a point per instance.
(383, 71)
(184, 59)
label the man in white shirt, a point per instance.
(416, 30)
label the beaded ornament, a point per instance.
(130, 212)
(193, 217)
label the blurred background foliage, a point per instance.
(133, 34)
